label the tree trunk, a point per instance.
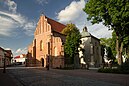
(119, 49)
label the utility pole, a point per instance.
(48, 56)
(48, 62)
(4, 71)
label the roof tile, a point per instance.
(56, 26)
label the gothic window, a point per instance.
(43, 26)
(59, 39)
(36, 32)
(35, 42)
(92, 49)
(95, 43)
(48, 27)
(53, 40)
(62, 48)
(56, 53)
(41, 45)
(40, 30)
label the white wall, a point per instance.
(1, 58)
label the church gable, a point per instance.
(46, 24)
(42, 26)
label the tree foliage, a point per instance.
(113, 43)
(125, 45)
(68, 28)
(113, 14)
(107, 44)
(72, 41)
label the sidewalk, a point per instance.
(5, 79)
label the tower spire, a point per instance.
(42, 13)
(85, 29)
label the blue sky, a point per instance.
(18, 19)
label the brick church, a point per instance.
(47, 46)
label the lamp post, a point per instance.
(4, 71)
(26, 62)
(47, 62)
(48, 56)
(49, 41)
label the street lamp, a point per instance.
(4, 71)
(48, 55)
(49, 41)
(47, 62)
(26, 61)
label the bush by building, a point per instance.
(123, 69)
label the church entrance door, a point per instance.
(42, 62)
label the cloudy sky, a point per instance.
(18, 20)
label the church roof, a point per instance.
(85, 34)
(9, 51)
(56, 26)
(1, 49)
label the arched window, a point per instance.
(56, 52)
(41, 45)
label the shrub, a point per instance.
(107, 70)
(124, 66)
(123, 69)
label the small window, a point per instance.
(59, 39)
(62, 48)
(92, 49)
(56, 53)
(48, 27)
(41, 45)
(95, 43)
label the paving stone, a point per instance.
(35, 77)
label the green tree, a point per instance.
(113, 43)
(113, 14)
(110, 54)
(72, 41)
(108, 45)
(68, 28)
(125, 45)
(102, 54)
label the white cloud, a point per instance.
(99, 30)
(9, 22)
(74, 13)
(42, 1)
(12, 5)
(7, 48)
(20, 51)
(17, 52)
(29, 27)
